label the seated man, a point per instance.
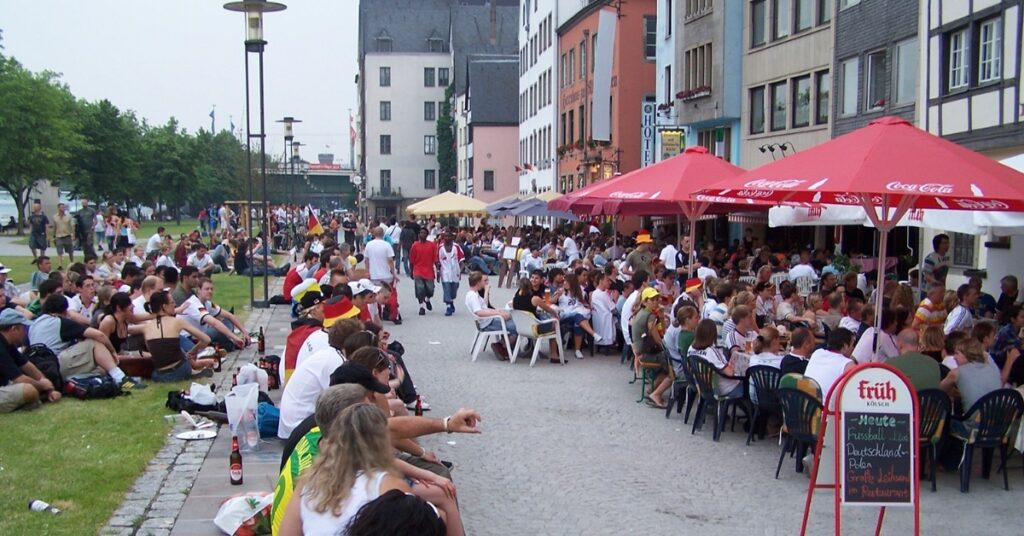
(480, 307)
(79, 349)
(214, 321)
(21, 383)
(921, 370)
(261, 262)
(202, 260)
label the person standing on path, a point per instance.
(393, 235)
(410, 232)
(423, 258)
(380, 259)
(449, 263)
(85, 220)
(64, 235)
(39, 226)
(936, 264)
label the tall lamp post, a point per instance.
(289, 135)
(254, 42)
(296, 158)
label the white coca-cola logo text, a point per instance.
(756, 194)
(847, 199)
(716, 198)
(927, 188)
(765, 184)
(980, 204)
(627, 195)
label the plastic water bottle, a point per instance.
(37, 505)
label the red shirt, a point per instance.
(293, 278)
(423, 257)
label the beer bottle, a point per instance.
(235, 461)
(262, 344)
(419, 406)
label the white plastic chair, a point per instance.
(805, 285)
(778, 278)
(748, 279)
(526, 327)
(482, 337)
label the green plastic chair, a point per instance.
(933, 407)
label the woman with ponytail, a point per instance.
(767, 348)
(161, 333)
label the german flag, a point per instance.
(313, 223)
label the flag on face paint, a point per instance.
(313, 223)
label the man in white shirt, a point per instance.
(311, 377)
(888, 347)
(155, 241)
(479, 306)
(205, 315)
(380, 258)
(571, 250)
(803, 268)
(961, 318)
(202, 260)
(83, 303)
(828, 364)
(668, 256)
(852, 320)
(704, 271)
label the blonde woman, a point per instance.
(354, 467)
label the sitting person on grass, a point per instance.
(162, 336)
(21, 383)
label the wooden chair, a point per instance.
(529, 327)
(482, 337)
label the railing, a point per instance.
(385, 193)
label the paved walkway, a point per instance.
(567, 450)
(8, 248)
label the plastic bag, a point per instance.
(250, 373)
(201, 394)
(247, 514)
(241, 404)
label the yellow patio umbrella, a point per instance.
(449, 204)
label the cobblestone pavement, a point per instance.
(567, 450)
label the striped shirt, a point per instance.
(300, 459)
(930, 314)
(959, 319)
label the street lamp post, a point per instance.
(296, 158)
(289, 135)
(254, 42)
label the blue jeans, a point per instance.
(574, 320)
(495, 325)
(451, 291)
(216, 337)
(181, 372)
(406, 263)
(483, 263)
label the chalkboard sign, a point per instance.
(877, 451)
(878, 438)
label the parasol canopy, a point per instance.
(449, 204)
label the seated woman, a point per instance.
(573, 310)
(530, 298)
(686, 318)
(767, 348)
(704, 347)
(161, 334)
(742, 337)
(985, 333)
(975, 376)
(647, 342)
(114, 323)
(933, 340)
(668, 285)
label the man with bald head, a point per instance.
(922, 370)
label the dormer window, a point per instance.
(384, 42)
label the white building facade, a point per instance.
(666, 61)
(538, 108)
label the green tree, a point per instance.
(107, 163)
(167, 168)
(446, 157)
(38, 130)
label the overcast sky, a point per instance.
(180, 58)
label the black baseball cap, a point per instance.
(354, 373)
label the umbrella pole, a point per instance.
(679, 229)
(693, 245)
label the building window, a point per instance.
(848, 88)
(758, 21)
(824, 84)
(874, 82)
(442, 77)
(668, 17)
(435, 44)
(906, 71)
(385, 144)
(710, 139)
(593, 51)
(698, 65)
(384, 44)
(781, 18)
(429, 179)
(695, 8)
(990, 50)
(650, 38)
(804, 14)
(843, 4)
(385, 77)
(385, 110)
(757, 110)
(572, 127)
(824, 11)
(488, 180)
(779, 95)
(669, 96)
(956, 58)
(802, 101)
(583, 56)
(385, 181)
(429, 111)
(963, 249)
(572, 66)
(428, 77)
(429, 144)
(562, 72)
(583, 123)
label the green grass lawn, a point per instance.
(81, 456)
(146, 229)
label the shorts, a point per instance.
(12, 397)
(37, 241)
(424, 288)
(64, 244)
(77, 359)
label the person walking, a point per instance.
(410, 232)
(39, 226)
(423, 258)
(449, 262)
(64, 235)
(85, 220)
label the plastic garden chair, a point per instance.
(705, 376)
(801, 413)
(764, 384)
(529, 327)
(480, 342)
(933, 407)
(987, 425)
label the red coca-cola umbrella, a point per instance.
(887, 167)
(664, 188)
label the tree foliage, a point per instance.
(446, 156)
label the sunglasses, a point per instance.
(373, 337)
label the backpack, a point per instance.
(268, 417)
(91, 386)
(177, 402)
(46, 361)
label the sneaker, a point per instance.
(422, 312)
(429, 307)
(423, 404)
(598, 338)
(450, 311)
(131, 383)
(579, 354)
(397, 321)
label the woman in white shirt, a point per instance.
(354, 467)
(602, 306)
(864, 351)
(573, 309)
(767, 348)
(704, 347)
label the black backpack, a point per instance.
(91, 386)
(46, 361)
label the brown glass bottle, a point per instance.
(419, 406)
(235, 463)
(262, 343)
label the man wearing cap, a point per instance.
(21, 383)
(364, 295)
(8, 285)
(311, 320)
(299, 273)
(640, 258)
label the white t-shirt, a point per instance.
(451, 270)
(825, 367)
(200, 262)
(474, 301)
(377, 253)
(164, 260)
(864, 352)
(75, 304)
(310, 379)
(717, 359)
(153, 243)
(766, 358)
(668, 256)
(139, 305)
(314, 342)
(572, 251)
(802, 270)
(627, 316)
(105, 272)
(704, 272)
(850, 324)
(196, 311)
